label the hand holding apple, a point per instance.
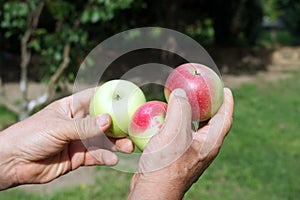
(170, 172)
(203, 88)
(125, 102)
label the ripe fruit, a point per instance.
(120, 99)
(202, 85)
(146, 122)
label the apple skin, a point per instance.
(146, 122)
(204, 89)
(120, 99)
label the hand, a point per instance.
(177, 156)
(56, 140)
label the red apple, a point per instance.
(146, 122)
(202, 85)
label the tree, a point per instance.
(251, 20)
(54, 42)
(289, 12)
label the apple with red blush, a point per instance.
(203, 86)
(146, 122)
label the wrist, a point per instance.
(146, 187)
(7, 162)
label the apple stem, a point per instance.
(197, 73)
(118, 97)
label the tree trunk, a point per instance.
(32, 22)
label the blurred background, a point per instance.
(255, 44)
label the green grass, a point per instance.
(6, 117)
(260, 158)
(109, 184)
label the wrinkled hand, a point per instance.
(177, 156)
(56, 140)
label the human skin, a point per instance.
(61, 138)
(56, 140)
(166, 170)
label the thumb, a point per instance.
(90, 127)
(90, 131)
(174, 137)
(179, 113)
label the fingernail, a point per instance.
(103, 120)
(179, 93)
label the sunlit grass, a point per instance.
(6, 117)
(260, 158)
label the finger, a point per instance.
(133, 182)
(100, 157)
(213, 134)
(90, 130)
(174, 137)
(89, 127)
(80, 156)
(179, 114)
(124, 145)
(177, 121)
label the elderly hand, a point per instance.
(56, 140)
(177, 156)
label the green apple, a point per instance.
(120, 99)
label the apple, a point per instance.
(146, 122)
(203, 86)
(120, 99)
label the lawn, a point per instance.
(6, 117)
(260, 158)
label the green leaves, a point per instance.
(61, 10)
(289, 13)
(103, 10)
(14, 16)
(60, 22)
(35, 44)
(92, 15)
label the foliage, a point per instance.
(270, 39)
(270, 10)
(55, 31)
(61, 22)
(289, 12)
(68, 30)
(215, 21)
(251, 20)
